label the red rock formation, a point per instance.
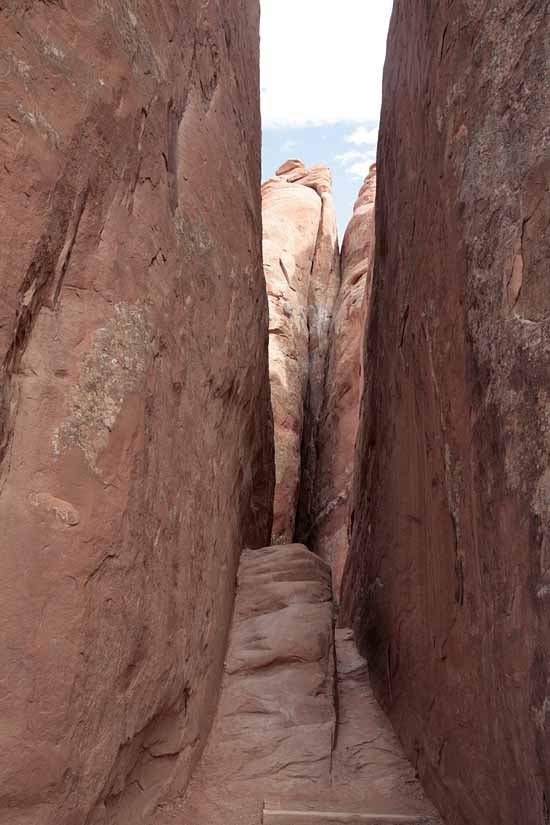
(329, 509)
(302, 272)
(448, 576)
(136, 454)
(275, 723)
(288, 735)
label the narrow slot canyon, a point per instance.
(274, 496)
(298, 735)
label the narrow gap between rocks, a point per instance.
(181, 404)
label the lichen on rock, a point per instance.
(114, 367)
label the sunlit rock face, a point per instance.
(275, 724)
(301, 264)
(136, 430)
(447, 582)
(330, 507)
(297, 727)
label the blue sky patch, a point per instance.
(348, 148)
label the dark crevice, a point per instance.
(41, 287)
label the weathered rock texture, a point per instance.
(136, 457)
(296, 727)
(276, 720)
(301, 264)
(448, 579)
(327, 532)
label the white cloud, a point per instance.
(361, 169)
(363, 136)
(288, 146)
(322, 62)
(348, 157)
(357, 163)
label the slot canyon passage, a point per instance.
(275, 513)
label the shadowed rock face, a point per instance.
(135, 425)
(301, 265)
(448, 577)
(328, 530)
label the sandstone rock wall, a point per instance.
(275, 724)
(324, 285)
(135, 424)
(327, 533)
(448, 577)
(301, 265)
(297, 730)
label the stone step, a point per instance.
(290, 817)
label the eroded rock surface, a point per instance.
(297, 726)
(448, 576)
(369, 775)
(135, 443)
(276, 719)
(327, 531)
(370, 771)
(301, 264)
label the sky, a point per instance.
(321, 80)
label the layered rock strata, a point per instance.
(301, 266)
(276, 720)
(297, 728)
(448, 579)
(329, 510)
(135, 440)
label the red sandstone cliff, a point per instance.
(448, 579)
(329, 512)
(135, 442)
(301, 265)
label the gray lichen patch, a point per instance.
(193, 235)
(41, 125)
(134, 39)
(115, 366)
(65, 513)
